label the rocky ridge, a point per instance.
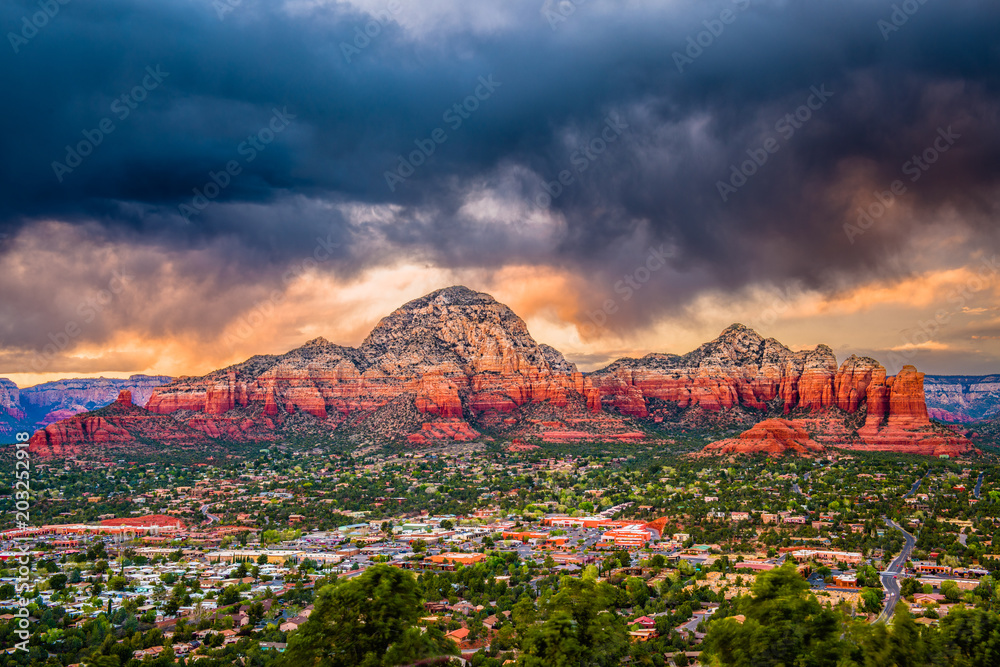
(113, 429)
(49, 402)
(963, 398)
(458, 365)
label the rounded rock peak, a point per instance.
(456, 295)
(317, 342)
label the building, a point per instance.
(845, 581)
(456, 558)
(930, 567)
(825, 556)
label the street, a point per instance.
(889, 578)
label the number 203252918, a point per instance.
(22, 485)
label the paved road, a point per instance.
(211, 517)
(692, 625)
(889, 581)
(979, 484)
(805, 478)
(916, 485)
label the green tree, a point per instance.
(901, 646)
(367, 621)
(871, 599)
(638, 591)
(783, 627)
(57, 582)
(576, 628)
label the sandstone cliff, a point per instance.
(11, 413)
(458, 365)
(114, 429)
(774, 437)
(963, 398)
(455, 354)
(34, 407)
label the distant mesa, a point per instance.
(49, 402)
(114, 429)
(456, 364)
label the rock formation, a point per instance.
(11, 413)
(774, 437)
(456, 364)
(452, 352)
(743, 371)
(34, 407)
(113, 429)
(963, 398)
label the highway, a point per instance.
(979, 484)
(889, 581)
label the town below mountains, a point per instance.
(654, 512)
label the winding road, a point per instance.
(916, 485)
(211, 517)
(889, 578)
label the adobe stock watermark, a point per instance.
(87, 310)
(900, 14)
(363, 36)
(557, 12)
(786, 126)
(31, 24)
(714, 28)
(121, 108)
(630, 283)
(454, 116)
(248, 150)
(581, 159)
(264, 310)
(926, 330)
(915, 168)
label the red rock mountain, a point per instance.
(46, 403)
(456, 364)
(450, 358)
(114, 430)
(774, 437)
(741, 371)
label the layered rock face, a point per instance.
(455, 353)
(740, 369)
(34, 407)
(774, 437)
(11, 412)
(456, 363)
(117, 427)
(963, 398)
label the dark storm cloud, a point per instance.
(220, 82)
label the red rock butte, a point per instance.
(774, 437)
(453, 363)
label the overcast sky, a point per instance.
(187, 182)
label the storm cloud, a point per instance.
(228, 143)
